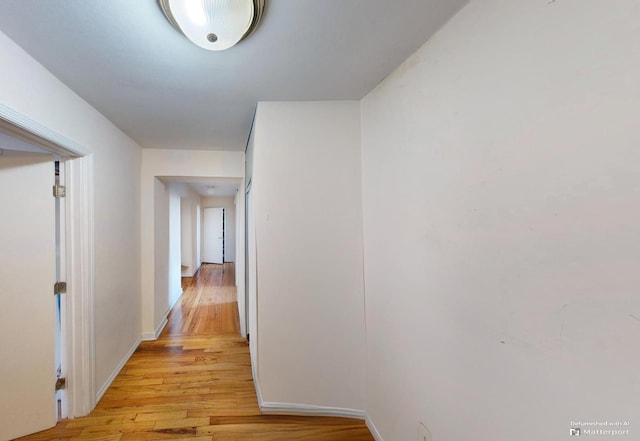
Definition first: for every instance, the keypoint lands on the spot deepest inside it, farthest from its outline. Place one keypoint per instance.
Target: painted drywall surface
(230, 223)
(172, 163)
(186, 233)
(502, 301)
(190, 224)
(162, 233)
(175, 253)
(250, 265)
(179, 194)
(240, 270)
(244, 250)
(308, 222)
(196, 238)
(28, 88)
(168, 246)
(251, 290)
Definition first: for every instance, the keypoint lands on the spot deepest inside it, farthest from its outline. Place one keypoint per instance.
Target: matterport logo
(600, 428)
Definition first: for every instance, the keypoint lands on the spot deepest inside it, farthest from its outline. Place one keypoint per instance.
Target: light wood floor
(195, 383)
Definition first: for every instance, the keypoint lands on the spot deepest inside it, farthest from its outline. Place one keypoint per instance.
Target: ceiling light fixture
(211, 190)
(215, 25)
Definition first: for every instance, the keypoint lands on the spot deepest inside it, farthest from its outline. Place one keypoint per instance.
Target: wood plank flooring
(194, 383)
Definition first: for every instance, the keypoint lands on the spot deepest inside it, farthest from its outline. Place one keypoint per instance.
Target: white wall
(502, 295)
(197, 220)
(229, 223)
(167, 243)
(240, 251)
(186, 233)
(171, 163)
(251, 292)
(162, 202)
(190, 234)
(306, 196)
(175, 251)
(250, 264)
(28, 88)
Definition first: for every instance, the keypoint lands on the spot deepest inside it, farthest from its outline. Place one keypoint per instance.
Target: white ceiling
(220, 190)
(124, 58)
(223, 187)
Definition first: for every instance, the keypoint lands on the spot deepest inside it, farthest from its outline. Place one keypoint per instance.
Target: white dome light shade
(213, 24)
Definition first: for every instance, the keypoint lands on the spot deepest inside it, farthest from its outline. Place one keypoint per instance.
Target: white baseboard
(256, 383)
(272, 407)
(189, 273)
(117, 370)
(268, 407)
(150, 336)
(166, 314)
(372, 429)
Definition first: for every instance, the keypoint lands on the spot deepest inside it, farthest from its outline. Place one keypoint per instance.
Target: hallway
(195, 382)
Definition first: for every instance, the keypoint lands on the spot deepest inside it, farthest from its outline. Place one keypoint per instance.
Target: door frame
(78, 321)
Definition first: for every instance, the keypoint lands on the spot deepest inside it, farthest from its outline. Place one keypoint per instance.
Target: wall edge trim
(372, 428)
(271, 407)
(33, 131)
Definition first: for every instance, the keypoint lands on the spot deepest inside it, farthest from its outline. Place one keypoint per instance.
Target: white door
(27, 275)
(213, 243)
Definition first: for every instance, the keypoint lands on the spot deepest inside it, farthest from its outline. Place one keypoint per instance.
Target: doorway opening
(213, 241)
(59, 289)
(197, 220)
(41, 233)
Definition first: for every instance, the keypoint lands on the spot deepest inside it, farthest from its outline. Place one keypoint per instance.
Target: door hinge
(59, 191)
(60, 288)
(61, 383)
